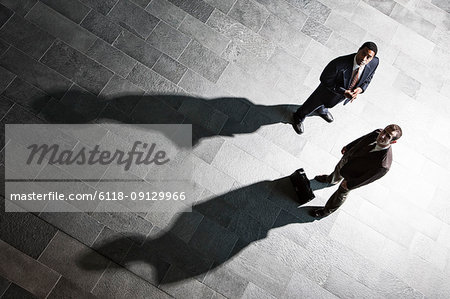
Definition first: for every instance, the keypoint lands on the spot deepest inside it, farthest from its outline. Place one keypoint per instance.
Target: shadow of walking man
(215, 231)
(209, 117)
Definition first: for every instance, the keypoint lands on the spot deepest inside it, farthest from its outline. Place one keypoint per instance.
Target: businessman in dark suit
(344, 78)
(364, 160)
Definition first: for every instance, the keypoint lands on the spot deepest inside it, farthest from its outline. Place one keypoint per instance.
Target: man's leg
(308, 107)
(335, 177)
(336, 200)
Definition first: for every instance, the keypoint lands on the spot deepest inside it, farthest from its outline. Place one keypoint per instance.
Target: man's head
(366, 53)
(389, 135)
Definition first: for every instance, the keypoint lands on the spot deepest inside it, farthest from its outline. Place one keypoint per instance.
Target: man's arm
(329, 75)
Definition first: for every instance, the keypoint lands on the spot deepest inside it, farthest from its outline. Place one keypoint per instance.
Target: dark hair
(371, 46)
(397, 130)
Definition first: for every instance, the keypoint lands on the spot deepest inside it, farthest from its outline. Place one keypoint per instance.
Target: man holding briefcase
(364, 160)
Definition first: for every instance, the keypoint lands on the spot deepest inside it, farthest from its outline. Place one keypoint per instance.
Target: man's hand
(343, 150)
(344, 185)
(348, 94)
(355, 93)
(352, 94)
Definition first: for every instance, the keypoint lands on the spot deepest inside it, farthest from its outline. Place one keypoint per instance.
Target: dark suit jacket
(363, 166)
(335, 79)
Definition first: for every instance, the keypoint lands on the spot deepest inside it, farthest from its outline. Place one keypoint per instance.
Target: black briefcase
(301, 185)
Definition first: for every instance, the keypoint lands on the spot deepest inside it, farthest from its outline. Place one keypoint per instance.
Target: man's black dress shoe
(327, 116)
(297, 124)
(322, 178)
(318, 213)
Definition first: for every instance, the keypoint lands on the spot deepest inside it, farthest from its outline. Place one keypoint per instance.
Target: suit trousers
(309, 107)
(340, 195)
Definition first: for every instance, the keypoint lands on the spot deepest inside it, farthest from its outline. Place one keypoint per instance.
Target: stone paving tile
(240, 34)
(213, 241)
(442, 4)
(228, 163)
(204, 115)
(341, 44)
(26, 232)
(26, 95)
(249, 13)
(341, 285)
(344, 8)
(271, 277)
(222, 5)
(346, 28)
(26, 271)
(6, 78)
(285, 12)
(314, 9)
(253, 291)
(408, 85)
(433, 14)
(26, 36)
(150, 81)
(73, 64)
(412, 20)
(122, 93)
(203, 61)
(3, 46)
(64, 253)
(418, 47)
(381, 25)
(4, 284)
(290, 39)
(77, 224)
(142, 3)
(316, 31)
(204, 34)
(103, 7)
(197, 85)
(19, 115)
(112, 58)
(168, 40)
(118, 282)
(170, 68)
(67, 289)
(101, 26)
(301, 286)
(5, 106)
(167, 12)
(385, 6)
(197, 8)
(60, 27)
(137, 48)
(35, 73)
(134, 18)
(15, 291)
(128, 224)
(20, 7)
(73, 10)
(429, 250)
(393, 229)
(183, 287)
(112, 244)
(226, 282)
(5, 14)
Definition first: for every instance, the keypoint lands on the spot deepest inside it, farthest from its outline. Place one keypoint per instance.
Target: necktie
(355, 79)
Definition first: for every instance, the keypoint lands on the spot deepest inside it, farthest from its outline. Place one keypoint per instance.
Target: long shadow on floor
(215, 231)
(209, 117)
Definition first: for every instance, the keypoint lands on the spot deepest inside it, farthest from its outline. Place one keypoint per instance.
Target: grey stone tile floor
(235, 69)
